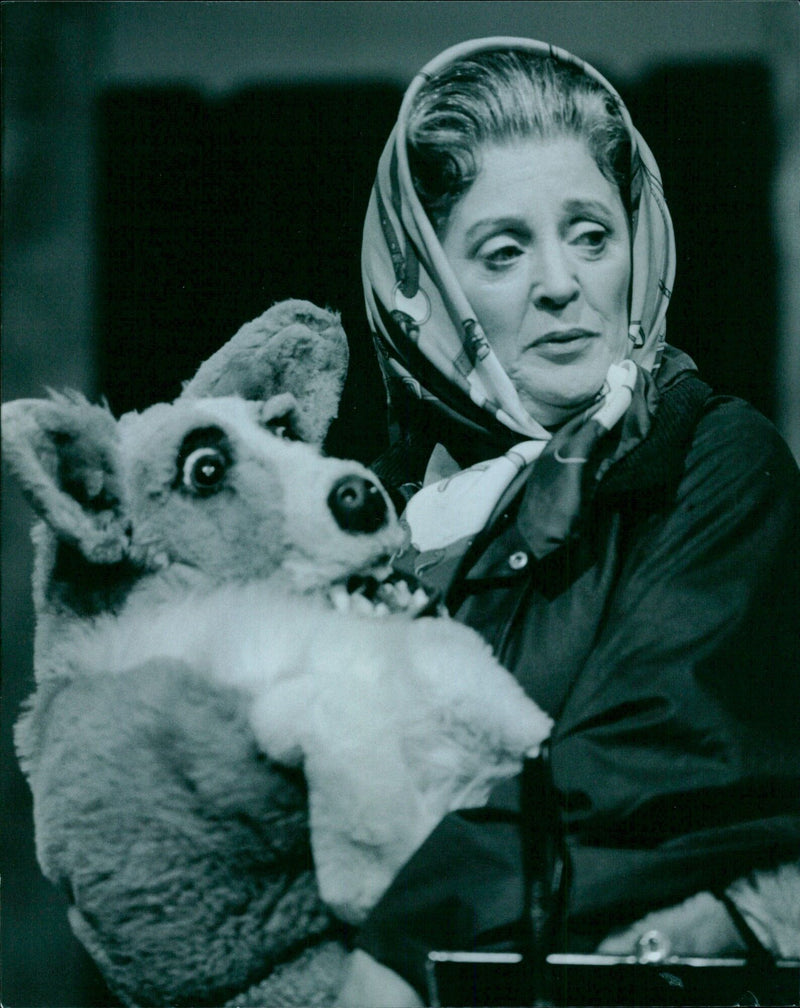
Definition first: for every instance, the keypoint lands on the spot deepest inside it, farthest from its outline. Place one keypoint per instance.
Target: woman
(625, 540)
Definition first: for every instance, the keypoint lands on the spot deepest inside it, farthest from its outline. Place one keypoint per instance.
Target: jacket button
(518, 560)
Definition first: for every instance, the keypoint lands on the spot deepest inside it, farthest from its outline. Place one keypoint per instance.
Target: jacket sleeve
(677, 754)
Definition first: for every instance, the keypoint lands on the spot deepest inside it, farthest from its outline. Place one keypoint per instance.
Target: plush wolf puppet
(211, 679)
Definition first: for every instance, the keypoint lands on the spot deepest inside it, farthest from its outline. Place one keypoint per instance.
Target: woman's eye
(498, 256)
(592, 238)
(204, 470)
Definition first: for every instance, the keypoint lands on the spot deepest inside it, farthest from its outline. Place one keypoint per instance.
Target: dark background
(171, 169)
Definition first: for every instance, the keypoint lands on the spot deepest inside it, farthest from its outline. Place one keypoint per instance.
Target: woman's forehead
(523, 173)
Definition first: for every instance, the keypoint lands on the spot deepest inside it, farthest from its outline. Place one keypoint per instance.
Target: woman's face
(541, 246)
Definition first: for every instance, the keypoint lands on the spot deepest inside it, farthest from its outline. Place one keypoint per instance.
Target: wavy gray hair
(499, 96)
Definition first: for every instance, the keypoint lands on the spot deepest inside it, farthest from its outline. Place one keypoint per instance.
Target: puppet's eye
(283, 427)
(204, 470)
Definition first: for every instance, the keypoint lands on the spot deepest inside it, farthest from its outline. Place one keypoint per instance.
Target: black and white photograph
(400, 503)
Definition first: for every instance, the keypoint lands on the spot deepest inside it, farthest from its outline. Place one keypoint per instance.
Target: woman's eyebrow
(495, 224)
(580, 207)
(587, 208)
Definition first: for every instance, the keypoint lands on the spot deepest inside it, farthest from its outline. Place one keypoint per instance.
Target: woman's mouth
(563, 343)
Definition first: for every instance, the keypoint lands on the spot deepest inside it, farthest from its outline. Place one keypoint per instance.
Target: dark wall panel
(711, 130)
(210, 211)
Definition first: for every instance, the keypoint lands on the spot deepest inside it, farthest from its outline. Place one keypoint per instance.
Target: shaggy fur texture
(183, 851)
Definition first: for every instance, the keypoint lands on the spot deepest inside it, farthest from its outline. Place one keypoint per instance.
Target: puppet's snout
(358, 505)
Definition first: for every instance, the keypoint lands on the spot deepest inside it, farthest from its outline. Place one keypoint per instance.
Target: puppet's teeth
(395, 594)
(403, 594)
(340, 598)
(359, 604)
(370, 597)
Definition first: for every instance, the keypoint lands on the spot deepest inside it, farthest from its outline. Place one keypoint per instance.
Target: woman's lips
(563, 343)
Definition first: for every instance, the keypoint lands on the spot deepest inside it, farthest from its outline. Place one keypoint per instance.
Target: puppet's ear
(64, 452)
(294, 347)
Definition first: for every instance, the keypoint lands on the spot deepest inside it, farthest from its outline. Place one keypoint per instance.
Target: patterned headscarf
(417, 310)
(430, 342)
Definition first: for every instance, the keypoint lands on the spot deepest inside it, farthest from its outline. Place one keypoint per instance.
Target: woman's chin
(552, 394)
(551, 414)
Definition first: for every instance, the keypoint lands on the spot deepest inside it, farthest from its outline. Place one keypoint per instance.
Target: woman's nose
(555, 282)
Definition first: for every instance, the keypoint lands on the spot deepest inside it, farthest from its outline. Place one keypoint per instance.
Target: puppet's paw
(361, 836)
(531, 729)
(480, 700)
(276, 718)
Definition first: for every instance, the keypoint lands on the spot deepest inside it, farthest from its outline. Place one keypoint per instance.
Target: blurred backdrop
(171, 169)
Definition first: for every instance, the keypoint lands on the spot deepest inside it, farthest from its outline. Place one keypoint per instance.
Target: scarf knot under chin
(632, 467)
(456, 504)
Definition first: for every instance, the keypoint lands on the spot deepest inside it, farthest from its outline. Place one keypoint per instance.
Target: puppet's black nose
(357, 505)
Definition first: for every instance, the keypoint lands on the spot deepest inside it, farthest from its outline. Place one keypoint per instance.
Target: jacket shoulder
(733, 446)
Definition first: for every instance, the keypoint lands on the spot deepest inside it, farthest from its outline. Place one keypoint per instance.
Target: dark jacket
(664, 639)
